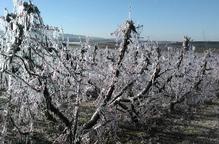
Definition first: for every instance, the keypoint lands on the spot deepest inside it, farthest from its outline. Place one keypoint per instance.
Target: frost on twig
(89, 93)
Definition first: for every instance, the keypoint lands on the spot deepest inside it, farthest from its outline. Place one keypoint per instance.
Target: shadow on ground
(199, 126)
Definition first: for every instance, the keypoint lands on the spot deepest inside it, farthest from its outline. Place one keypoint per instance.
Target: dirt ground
(198, 126)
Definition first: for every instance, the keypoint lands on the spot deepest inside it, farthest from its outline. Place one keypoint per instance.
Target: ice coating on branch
(18, 6)
(28, 49)
(46, 81)
(120, 32)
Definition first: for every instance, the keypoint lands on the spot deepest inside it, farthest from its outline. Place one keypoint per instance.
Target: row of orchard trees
(46, 83)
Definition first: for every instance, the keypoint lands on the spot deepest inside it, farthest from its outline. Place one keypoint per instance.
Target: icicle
(130, 11)
(67, 44)
(15, 3)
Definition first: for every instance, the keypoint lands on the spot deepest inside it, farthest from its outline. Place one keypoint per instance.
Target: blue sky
(162, 19)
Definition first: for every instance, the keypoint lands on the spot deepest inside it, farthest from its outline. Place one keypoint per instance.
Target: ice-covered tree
(49, 86)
